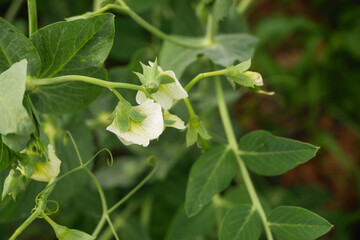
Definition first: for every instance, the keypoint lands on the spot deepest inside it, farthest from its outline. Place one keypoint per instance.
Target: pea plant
(58, 70)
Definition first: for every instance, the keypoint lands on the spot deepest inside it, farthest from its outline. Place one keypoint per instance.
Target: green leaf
(5, 156)
(14, 47)
(14, 119)
(185, 228)
(241, 222)
(297, 223)
(221, 8)
(211, 173)
(229, 48)
(226, 49)
(269, 155)
(176, 58)
(77, 47)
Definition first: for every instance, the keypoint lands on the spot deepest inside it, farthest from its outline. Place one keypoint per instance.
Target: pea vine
(59, 69)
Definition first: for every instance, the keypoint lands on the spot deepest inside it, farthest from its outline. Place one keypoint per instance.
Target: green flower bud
(195, 130)
(13, 184)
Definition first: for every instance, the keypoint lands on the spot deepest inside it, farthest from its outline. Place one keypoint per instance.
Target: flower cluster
(145, 122)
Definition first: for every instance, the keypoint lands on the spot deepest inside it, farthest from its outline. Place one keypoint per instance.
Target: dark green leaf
(297, 223)
(14, 47)
(72, 48)
(241, 222)
(269, 155)
(209, 175)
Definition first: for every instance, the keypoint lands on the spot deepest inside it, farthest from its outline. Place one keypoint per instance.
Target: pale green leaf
(177, 58)
(229, 48)
(241, 222)
(14, 118)
(14, 47)
(210, 174)
(72, 48)
(269, 155)
(221, 8)
(297, 223)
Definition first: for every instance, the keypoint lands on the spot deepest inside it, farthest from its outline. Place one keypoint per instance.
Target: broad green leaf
(241, 222)
(14, 119)
(72, 48)
(210, 174)
(269, 155)
(221, 8)
(5, 156)
(185, 228)
(297, 223)
(14, 47)
(229, 48)
(177, 58)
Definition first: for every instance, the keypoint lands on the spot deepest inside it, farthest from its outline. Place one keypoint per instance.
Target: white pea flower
(168, 88)
(174, 121)
(255, 77)
(139, 124)
(45, 171)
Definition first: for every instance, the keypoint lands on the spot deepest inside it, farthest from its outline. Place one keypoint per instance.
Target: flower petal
(142, 132)
(178, 123)
(44, 172)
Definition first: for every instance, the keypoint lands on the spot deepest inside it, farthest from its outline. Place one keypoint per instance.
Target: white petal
(142, 132)
(179, 124)
(163, 98)
(175, 90)
(140, 97)
(46, 171)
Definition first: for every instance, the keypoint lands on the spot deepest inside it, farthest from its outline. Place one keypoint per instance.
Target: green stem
(39, 209)
(204, 75)
(134, 189)
(125, 9)
(190, 108)
(233, 144)
(32, 16)
(118, 95)
(13, 10)
(32, 83)
(105, 214)
(210, 30)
